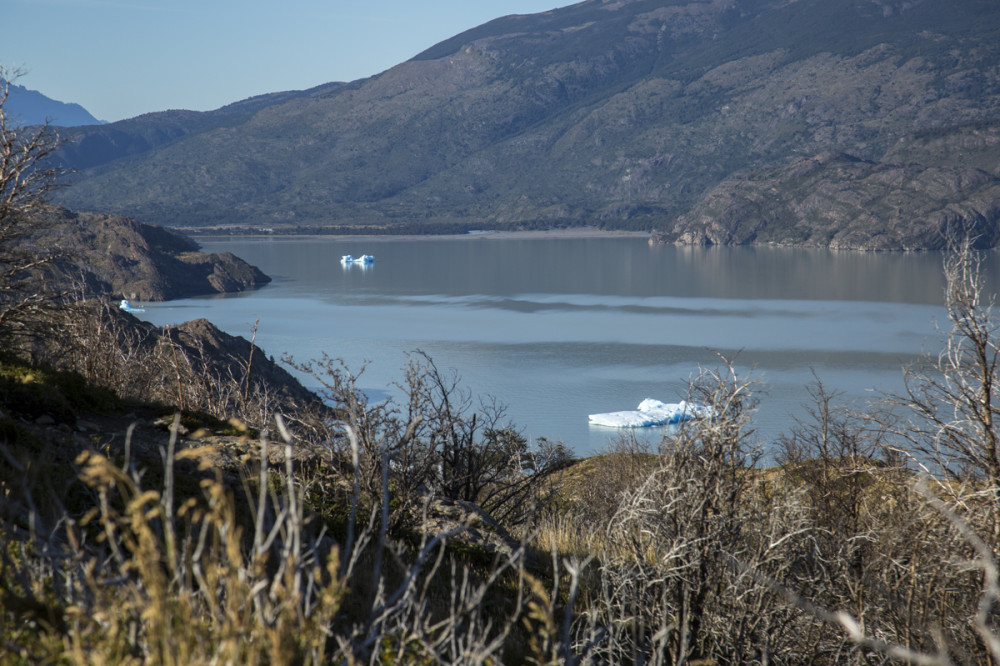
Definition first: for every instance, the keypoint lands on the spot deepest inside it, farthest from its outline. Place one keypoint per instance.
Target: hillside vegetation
(622, 114)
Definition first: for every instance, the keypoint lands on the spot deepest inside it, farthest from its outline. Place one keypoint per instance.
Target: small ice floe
(363, 259)
(652, 413)
(127, 307)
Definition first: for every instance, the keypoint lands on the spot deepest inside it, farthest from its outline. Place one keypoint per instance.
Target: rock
(167, 422)
(480, 529)
(842, 202)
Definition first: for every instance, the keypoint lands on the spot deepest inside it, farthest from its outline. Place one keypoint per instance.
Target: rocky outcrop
(118, 256)
(839, 201)
(193, 366)
(218, 353)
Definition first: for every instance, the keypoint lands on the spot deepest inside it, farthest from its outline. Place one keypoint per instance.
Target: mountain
(30, 107)
(622, 113)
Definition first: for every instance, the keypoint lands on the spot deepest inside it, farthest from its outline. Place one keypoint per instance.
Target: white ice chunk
(363, 259)
(651, 413)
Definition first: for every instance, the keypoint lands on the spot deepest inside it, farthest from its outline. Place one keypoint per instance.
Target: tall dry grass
(150, 576)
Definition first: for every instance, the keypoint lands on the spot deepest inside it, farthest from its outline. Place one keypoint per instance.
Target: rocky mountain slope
(120, 257)
(624, 113)
(843, 202)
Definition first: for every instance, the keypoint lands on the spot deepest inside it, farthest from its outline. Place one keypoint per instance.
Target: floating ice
(651, 413)
(127, 307)
(363, 259)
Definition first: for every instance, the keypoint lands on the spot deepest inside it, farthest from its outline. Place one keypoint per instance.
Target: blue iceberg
(651, 413)
(363, 259)
(127, 307)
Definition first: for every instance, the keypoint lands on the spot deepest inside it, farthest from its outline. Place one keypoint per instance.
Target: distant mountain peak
(30, 107)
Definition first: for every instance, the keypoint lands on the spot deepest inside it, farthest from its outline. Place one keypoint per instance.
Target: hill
(120, 257)
(624, 114)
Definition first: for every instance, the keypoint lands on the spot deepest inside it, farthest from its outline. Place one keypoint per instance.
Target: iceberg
(363, 259)
(127, 307)
(652, 413)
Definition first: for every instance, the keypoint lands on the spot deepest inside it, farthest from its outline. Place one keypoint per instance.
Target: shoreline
(543, 234)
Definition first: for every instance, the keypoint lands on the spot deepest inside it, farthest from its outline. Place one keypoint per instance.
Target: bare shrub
(953, 398)
(671, 543)
(191, 367)
(92, 338)
(435, 444)
(904, 570)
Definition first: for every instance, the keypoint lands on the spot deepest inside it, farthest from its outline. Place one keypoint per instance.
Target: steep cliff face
(118, 256)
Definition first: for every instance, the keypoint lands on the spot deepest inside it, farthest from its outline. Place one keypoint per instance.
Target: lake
(558, 328)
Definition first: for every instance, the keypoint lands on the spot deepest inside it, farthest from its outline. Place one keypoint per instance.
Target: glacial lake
(558, 328)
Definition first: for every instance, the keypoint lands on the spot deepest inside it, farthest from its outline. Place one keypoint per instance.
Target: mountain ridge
(623, 114)
(31, 107)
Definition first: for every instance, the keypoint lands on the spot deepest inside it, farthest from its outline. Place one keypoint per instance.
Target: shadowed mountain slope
(30, 107)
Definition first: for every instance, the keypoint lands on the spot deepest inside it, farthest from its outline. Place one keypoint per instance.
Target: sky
(122, 58)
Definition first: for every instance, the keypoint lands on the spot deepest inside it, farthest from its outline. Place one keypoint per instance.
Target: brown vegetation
(405, 532)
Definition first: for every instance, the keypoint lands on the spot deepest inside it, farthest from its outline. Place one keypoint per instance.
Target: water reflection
(616, 266)
(357, 266)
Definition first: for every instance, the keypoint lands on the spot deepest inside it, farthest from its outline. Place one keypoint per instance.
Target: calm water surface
(560, 328)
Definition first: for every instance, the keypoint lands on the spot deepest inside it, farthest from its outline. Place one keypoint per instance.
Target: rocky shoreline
(118, 257)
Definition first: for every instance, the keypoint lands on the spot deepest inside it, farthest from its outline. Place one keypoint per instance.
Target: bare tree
(26, 179)
(955, 397)
(907, 572)
(480, 458)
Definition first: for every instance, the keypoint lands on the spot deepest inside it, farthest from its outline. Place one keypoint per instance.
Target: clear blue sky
(121, 58)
